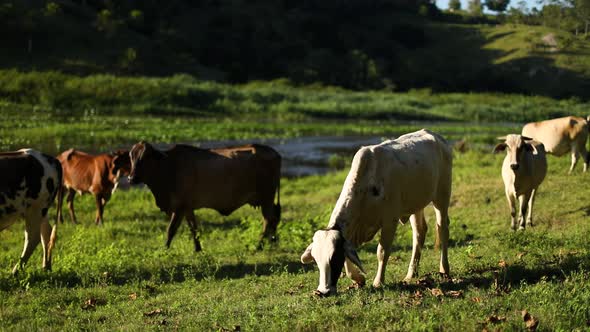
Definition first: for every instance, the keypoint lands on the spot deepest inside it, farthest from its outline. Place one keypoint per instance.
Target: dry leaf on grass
(495, 319)
(530, 321)
(502, 263)
(91, 303)
(476, 299)
(153, 312)
(454, 294)
(436, 292)
(133, 296)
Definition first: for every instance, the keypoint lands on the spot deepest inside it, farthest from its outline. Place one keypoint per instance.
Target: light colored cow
(390, 181)
(562, 135)
(523, 170)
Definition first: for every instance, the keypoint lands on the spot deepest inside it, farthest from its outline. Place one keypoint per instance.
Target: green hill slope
(373, 45)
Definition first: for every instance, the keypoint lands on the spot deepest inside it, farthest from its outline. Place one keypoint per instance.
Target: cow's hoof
(445, 276)
(319, 294)
(377, 285)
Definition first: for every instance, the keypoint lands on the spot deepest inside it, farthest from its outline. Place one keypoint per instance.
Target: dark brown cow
(186, 178)
(98, 175)
(29, 182)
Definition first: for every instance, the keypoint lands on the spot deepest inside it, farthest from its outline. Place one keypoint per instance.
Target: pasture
(120, 276)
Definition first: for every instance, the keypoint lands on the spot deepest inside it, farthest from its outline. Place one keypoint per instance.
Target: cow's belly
(8, 220)
(557, 147)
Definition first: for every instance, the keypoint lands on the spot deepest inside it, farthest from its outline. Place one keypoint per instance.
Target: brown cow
(98, 175)
(186, 178)
(29, 182)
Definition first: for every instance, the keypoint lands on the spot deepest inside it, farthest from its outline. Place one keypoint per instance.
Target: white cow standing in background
(387, 182)
(523, 170)
(562, 135)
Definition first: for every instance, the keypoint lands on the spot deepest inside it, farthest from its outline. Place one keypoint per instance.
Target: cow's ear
(500, 147)
(531, 147)
(307, 258)
(353, 256)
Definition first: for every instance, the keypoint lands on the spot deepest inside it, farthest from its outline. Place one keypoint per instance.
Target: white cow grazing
(523, 170)
(562, 135)
(386, 182)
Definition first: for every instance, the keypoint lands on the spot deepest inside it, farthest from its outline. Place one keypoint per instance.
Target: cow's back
(222, 179)
(84, 172)
(423, 168)
(558, 135)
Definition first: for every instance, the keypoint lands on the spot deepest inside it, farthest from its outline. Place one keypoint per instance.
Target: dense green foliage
(120, 276)
(387, 44)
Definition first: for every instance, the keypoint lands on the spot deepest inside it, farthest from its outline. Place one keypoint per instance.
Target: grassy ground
(119, 276)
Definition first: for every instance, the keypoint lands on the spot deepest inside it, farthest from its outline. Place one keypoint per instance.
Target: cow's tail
(277, 207)
(53, 236)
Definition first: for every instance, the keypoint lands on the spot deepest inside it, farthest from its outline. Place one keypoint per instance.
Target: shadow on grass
(500, 280)
(205, 269)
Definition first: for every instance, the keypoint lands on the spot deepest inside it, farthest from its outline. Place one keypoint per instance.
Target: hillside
(393, 45)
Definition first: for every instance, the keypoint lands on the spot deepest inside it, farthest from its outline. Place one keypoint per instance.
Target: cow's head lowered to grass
(329, 250)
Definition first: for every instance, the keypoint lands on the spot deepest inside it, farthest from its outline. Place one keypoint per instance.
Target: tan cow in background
(387, 182)
(523, 170)
(562, 135)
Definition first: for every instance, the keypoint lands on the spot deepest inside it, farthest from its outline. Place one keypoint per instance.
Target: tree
(475, 7)
(455, 4)
(497, 5)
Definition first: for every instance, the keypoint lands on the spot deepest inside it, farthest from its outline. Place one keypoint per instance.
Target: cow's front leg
(512, 205)
(523, 201)
(354, 273)
(575, 156)
(32, 238)
(529, 217)
(100, 203)
(384, 249)
(194, 225)
(419, 229)
(70, 201)
(173, 226)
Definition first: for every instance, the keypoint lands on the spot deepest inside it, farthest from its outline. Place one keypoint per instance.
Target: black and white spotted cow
(29, 182)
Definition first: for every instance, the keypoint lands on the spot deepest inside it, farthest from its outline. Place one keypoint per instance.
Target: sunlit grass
(120, 276)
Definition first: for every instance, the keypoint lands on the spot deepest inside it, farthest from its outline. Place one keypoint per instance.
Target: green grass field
(120, 276)
(53, 112)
